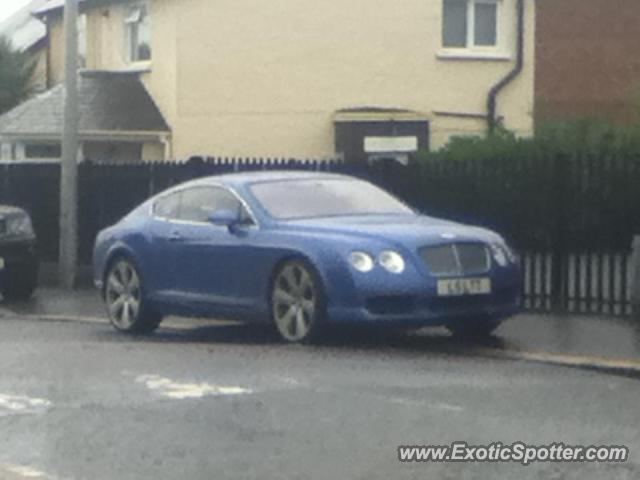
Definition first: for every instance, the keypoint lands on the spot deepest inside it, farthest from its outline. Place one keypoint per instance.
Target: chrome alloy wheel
(123, 295)
(295, 302)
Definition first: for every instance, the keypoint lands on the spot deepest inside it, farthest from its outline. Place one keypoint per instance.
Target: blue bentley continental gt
(301, 251)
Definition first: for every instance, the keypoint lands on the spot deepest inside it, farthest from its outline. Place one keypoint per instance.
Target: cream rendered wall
(246, 78)
(153, 152)
(266, 78)
(56, 50)
(39, 79)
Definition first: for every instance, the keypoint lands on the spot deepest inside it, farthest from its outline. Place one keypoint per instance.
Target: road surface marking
(182, 391)
(17, 404)
(21, 471)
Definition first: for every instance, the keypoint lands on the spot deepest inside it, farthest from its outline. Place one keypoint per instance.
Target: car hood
(410, 230)
(6, 211)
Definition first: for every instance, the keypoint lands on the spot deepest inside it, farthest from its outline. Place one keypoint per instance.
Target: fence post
(6, 183)
(559, 170)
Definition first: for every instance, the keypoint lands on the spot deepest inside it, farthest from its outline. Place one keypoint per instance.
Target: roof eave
(90, 135)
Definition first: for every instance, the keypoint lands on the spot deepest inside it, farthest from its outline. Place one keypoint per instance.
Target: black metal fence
(572, 218)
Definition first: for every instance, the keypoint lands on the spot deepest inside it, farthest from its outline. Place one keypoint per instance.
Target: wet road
(78, 401)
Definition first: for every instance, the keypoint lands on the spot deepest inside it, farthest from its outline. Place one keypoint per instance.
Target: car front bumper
(409, 310)
(413, 300)
(18, 257)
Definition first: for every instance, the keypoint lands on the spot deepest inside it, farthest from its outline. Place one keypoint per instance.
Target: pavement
(606, 343)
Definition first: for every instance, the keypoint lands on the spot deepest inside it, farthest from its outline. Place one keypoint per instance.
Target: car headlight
(391, 261)
(20, 226)
(498, 255)
(361, 261)
(503, 255)
(512, 256)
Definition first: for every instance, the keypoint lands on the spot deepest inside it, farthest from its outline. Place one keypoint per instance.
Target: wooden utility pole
(69, 169)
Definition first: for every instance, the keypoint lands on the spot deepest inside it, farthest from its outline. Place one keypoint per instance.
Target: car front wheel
(126, 306)
(297, 302)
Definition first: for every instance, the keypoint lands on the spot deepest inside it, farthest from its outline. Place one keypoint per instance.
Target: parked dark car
(18, 254)
(300, 250)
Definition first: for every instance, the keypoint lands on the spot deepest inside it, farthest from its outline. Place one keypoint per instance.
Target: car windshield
(288, 200)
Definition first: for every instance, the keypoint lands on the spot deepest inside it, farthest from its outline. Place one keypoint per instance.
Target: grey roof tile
(108, 101)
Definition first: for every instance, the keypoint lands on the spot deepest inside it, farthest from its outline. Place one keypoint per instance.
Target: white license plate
(1, 263)
(464, 286)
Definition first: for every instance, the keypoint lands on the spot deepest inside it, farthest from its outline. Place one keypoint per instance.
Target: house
(587, 64)
(363, 79)
(27, 33)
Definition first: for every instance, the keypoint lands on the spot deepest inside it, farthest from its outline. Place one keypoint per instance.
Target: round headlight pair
(389, 260)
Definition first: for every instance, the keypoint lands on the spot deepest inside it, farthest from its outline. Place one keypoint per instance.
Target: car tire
(297, 302)
(474, 329)
(127, 308)
(22, 286)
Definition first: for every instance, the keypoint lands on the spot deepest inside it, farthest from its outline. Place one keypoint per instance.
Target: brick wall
(588, 59)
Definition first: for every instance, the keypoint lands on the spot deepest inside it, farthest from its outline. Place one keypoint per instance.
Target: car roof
(247, 178)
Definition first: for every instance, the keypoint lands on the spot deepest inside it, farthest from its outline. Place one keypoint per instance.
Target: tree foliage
(16, 72)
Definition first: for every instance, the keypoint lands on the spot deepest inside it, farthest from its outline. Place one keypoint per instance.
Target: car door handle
(175, 237)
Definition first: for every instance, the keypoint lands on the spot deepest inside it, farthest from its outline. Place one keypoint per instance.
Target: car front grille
(456, 259)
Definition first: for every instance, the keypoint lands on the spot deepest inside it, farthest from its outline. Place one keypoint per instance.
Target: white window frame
(132, 20)
(471, 50)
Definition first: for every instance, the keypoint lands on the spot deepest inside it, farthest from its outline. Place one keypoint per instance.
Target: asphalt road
(78, 401)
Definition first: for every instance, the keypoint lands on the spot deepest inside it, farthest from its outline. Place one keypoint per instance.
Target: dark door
(165, 248)
(211, 257)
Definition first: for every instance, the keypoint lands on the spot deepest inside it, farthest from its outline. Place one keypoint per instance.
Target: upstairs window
(470, 24)
(138, 27)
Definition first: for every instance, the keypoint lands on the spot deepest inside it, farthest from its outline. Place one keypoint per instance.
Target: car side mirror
(224, 218)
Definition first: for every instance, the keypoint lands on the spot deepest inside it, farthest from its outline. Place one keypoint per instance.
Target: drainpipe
(47, 53)
(492, 99)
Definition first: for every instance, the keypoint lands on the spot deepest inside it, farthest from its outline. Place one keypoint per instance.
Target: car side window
(168, 206)
(200, 202)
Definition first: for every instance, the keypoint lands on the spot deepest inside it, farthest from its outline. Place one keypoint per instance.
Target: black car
(18, 254)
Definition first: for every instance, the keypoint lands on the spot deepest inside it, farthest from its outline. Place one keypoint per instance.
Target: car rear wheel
(297, 302)
(126, 306)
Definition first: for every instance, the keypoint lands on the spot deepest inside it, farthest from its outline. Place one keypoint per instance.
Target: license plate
(1, 263)
(464, 286)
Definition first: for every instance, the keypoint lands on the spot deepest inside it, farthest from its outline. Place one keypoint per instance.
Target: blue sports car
(301, 251)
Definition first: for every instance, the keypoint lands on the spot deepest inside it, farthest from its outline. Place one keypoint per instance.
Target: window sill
(469, 55)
